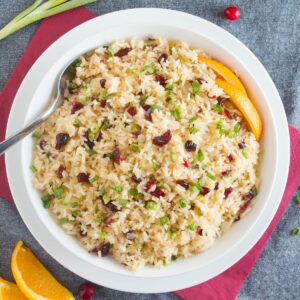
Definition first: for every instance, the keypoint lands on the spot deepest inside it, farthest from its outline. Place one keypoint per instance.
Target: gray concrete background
(271, 30)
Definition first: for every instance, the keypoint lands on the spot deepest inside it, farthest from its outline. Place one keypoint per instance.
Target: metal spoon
(61, 84)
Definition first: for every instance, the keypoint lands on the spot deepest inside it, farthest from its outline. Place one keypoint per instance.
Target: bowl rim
(132, 283)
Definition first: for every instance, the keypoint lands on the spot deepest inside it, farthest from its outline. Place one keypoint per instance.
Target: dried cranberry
(75, 107)
(244, 207)
(130, 235)
(200, 110)
(116, 156)
(60, 171)
(249, 195)
(148, 112)
(112, 207)
(186, 163)
(216, 186)
(83, 177)
(201, 80)
(158, 192)
(241, 145)
(149, 184)
(193, 205)
(190, 146)
(163, 139)
(104, 249)
(103, 103)
(231, 158)
(61, 140)
(135, 179)
(161, 79)
(90, 144)
(200, 231)
(204, 191)
(42, 144)
(86, 291)
(221, 100)
(82, 234)
(132, 110)
(99, 137)
(211, 97)
(102, 82)
(136, 133)
(226, 173)
(163, 57)
(227, 192)
(185, 184)
(108, 220)
(122, 52)
(228, 114)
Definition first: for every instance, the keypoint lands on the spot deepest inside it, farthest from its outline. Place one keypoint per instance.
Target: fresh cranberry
(163, 139)
(227, 192)
(185, 184)
(60, 171)
(186, 163)
(190, 146)
(158, 192)
(232, 13)
(161, 79)
(132, 110)
(61, 140)
(102, 82)
(83, 178)
(205, 190)
(122, 52)
(86, 291)
(75, 107)
(162, 58)
(149, 184)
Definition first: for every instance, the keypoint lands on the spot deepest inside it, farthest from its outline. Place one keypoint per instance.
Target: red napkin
(224, 286)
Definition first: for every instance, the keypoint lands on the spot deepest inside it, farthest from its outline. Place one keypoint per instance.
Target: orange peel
(33, 279)
(224, 72)
(244, 104)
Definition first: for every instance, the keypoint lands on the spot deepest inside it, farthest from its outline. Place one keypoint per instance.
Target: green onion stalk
(39, 10)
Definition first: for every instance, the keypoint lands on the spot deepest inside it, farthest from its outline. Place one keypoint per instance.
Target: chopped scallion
(36, 134)
(164, 220)
(117, 188)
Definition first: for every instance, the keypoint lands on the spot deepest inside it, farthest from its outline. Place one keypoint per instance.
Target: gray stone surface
(271, 30)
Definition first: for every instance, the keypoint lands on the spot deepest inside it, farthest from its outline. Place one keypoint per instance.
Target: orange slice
(223, 71)
(10, 291)
(33, 279)
(244, 104)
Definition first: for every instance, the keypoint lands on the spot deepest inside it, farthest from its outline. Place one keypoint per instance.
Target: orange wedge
(223, 71)
(33, 279)
(10, 291)
(244, 104)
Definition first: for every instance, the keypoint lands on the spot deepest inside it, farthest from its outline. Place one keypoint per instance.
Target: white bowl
(35, 91)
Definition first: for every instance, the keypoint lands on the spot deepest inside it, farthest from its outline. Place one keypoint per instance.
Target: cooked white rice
(145, 230)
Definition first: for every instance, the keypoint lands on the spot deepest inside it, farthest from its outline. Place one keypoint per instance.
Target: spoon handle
(19, 135)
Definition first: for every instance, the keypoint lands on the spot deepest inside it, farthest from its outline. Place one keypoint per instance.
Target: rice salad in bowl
(147, 160)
